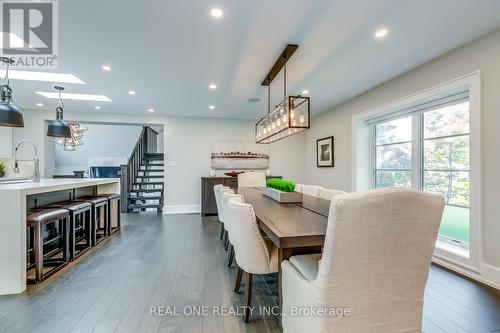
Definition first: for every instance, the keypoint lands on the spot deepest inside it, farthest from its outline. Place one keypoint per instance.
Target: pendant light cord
(60, 99)
(6, 78)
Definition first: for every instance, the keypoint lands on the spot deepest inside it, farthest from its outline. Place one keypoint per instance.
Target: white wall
(189, 143)
(113, 141)
(484, 55)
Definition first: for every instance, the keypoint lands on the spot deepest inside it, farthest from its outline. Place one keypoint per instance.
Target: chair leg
(221, 230)
(231, 256)
(239, 274)
(247, 297)
(226, 240)
(38, 250)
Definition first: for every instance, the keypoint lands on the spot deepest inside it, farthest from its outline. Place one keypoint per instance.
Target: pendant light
(291, 116)
(59, 128)
(10, 115)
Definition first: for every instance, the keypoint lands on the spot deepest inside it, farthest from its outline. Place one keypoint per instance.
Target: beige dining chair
(252, 179)
(226, 196)
(218, 192)
(311, 190)
(374, 268)
(253, 254)
(217, 188)
(328, 194)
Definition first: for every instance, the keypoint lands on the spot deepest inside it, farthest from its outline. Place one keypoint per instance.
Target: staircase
(142, 177)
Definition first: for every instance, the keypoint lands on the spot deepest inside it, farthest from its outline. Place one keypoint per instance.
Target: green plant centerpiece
(282, 190)
(2, 169)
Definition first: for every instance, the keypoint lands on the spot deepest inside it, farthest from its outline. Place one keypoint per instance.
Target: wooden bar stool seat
(114, 212)
(99, 216)
(48, 242)
(81, 226)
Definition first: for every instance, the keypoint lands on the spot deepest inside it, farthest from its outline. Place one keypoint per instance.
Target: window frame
(363, 136)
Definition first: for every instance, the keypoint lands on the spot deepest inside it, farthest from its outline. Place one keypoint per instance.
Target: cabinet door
(5, 142)
(208, 204)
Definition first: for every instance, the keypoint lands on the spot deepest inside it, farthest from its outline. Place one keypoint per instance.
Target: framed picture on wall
(324, 152)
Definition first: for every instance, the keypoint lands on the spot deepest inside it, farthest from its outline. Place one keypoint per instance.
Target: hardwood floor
(178, 261)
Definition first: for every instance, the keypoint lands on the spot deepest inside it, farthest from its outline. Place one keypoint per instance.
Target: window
(428, 149)
(430, 141)
(393, 153)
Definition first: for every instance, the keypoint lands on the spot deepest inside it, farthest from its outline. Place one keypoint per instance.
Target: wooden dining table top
(290, 225)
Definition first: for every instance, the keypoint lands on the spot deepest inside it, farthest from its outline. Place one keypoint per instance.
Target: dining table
(295, 228)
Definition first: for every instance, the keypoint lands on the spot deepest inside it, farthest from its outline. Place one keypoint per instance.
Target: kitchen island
(16, 198)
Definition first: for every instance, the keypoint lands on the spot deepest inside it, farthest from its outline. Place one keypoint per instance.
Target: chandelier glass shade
(69, 144)
(291, 116)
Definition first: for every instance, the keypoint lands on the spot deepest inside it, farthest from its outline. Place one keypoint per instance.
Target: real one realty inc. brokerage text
(191, 310)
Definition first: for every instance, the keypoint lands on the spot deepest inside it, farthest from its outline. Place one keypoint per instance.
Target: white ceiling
(169, 51)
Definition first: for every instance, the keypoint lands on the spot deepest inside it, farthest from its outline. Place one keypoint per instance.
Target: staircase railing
(147, 143)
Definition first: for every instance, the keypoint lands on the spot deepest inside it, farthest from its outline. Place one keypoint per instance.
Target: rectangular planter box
(282, 197)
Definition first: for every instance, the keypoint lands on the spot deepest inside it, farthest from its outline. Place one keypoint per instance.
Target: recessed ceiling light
(41, 76)
(39, 104)
(131, 92)
(305, 92)
(97, 107)
(211, 107)
(106, 68)
(80, 97)
(216, 12)
(212, 86)
(381, 33)
(151, 110)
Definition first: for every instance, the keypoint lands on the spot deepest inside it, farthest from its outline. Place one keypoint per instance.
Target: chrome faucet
(36, 172)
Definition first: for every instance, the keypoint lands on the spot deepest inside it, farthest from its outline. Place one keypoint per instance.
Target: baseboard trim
(181, 209)
(489, 275)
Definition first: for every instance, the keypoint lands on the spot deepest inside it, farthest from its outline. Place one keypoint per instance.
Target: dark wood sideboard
(208, 204)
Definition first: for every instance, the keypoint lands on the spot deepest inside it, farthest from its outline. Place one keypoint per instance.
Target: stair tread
(139, 176)
(146, 198)
(147, 190)
(151, 170)
(131, 206)
(148, 183)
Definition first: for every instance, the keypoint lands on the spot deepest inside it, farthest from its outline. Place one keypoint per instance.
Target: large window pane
(397, 156)
(453, 186)
(455, 223)
(393, 178)
(393, 131)
(450, 120)
(447, 153)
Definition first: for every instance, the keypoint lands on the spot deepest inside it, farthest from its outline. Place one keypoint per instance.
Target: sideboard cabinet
(208, 204)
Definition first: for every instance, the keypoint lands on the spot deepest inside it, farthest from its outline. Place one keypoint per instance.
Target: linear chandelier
(291, 116)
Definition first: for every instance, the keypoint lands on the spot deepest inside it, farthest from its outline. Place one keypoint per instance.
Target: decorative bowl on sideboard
(233, 173)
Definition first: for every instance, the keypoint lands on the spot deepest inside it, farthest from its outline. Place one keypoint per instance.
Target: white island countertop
(47, 185)
(13, 203)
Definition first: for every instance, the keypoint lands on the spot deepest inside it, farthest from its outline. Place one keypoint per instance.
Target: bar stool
(48, 241)
(80, 226)
(114, 213)
(99, 216)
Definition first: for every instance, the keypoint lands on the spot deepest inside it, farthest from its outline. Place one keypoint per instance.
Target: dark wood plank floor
(178, 261)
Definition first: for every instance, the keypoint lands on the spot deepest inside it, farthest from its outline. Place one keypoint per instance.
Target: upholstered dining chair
(311, 190)
(219, 190)
(252, 179)
(328, 194)
(252, 253)
(226, 196)
(374, 267)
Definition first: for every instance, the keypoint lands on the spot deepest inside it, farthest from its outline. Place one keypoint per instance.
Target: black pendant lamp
(59, 128)
(10, 115)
